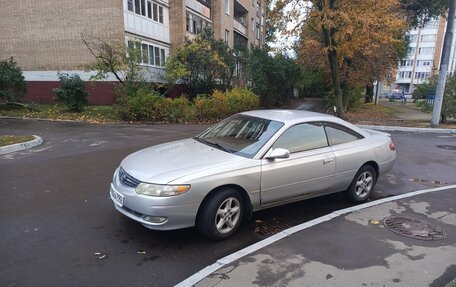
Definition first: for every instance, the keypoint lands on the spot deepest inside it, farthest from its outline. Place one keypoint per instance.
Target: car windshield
(240, 134)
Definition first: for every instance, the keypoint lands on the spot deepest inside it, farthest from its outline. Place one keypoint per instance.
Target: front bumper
(178, 213)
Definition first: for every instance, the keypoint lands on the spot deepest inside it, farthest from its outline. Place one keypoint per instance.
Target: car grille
(127, 179)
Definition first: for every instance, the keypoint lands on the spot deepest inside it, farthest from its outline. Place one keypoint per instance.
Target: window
(157, 56)
(426, 50)
(149, 9)
(155, 18)
(196, 24)
(302, 137)
(206, 3)
(257, 34)
(424, 63)
(145, 54)
(253, 25)
(143, 7)
(422, 75)
(339, 135)
(227, 7)
(163, 57)
(428, 38)
(137, 7)
(227, 37)
(151, 55)
(160, 14)
(240, 134)
(138, 48)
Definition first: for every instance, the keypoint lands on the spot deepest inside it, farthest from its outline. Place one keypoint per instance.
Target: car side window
(339, 135)
(302, 137)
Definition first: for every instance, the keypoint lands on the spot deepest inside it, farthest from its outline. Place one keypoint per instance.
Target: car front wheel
(362, 185)
(221, 214)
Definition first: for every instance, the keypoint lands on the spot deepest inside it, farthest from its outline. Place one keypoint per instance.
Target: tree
(349, 35)
(419, 12)
(72, 92)
(114, 57)
(449, 100)
(272, 78)
(204, 63)
(12, 84)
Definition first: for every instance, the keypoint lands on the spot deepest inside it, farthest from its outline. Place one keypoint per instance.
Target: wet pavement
(361, 248)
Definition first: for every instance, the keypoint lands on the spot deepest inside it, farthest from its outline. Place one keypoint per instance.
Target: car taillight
(392, 147)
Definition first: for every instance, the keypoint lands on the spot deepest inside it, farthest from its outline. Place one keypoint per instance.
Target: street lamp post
(438, 100)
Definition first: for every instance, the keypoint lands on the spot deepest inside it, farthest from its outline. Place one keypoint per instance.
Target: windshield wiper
(213, 144)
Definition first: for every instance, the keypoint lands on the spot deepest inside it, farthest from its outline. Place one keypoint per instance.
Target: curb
(21, 146)
(407, 129)
(203, 273)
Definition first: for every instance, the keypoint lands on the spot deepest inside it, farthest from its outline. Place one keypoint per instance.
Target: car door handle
(328, 160)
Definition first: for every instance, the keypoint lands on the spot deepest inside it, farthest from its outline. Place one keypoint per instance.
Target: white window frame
(227, 7)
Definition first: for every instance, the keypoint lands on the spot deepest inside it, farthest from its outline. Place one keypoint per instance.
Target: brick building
(44, 37)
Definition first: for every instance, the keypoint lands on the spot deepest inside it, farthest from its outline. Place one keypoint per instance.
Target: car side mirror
(278, 153)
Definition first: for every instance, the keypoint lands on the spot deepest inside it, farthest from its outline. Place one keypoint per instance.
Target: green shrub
(71, 92)
(423, 104)
(221, 105)
(12, 84)
(151, 106)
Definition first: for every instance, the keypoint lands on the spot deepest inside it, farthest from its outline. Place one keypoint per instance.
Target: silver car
(248, 162)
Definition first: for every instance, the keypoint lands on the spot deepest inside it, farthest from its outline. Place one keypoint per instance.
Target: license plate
(117, 197)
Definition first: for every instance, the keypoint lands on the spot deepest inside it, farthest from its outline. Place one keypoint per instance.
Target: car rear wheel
(362, 185)
(221, 214)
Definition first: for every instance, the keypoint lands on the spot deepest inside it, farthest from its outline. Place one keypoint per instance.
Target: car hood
(170, 161)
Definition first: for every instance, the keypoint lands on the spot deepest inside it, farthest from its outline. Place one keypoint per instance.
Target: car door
(308, 170)
(350, 153)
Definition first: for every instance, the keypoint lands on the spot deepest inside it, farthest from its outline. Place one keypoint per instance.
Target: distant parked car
(395, 96)
(248, 162)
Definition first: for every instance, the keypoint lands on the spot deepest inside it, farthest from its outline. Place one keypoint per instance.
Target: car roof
(287, 116)
(292, 117)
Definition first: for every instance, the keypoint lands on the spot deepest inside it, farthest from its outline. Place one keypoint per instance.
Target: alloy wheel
(228, 215)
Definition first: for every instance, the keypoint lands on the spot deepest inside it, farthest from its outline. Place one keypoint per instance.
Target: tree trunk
(328, 34)
(335, 79)
(369, 94)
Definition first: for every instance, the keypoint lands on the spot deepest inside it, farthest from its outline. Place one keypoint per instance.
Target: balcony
(199, 7)
(239, 26)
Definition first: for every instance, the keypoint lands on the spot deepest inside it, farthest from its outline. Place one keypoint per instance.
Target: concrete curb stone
(21, 146)
(407, 129)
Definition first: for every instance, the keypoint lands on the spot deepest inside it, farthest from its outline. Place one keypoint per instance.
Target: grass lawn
(9, 140)
(370, 114)
(93, 114)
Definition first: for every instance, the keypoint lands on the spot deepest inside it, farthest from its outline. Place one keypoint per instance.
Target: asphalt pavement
(59, 227)
(402, 242)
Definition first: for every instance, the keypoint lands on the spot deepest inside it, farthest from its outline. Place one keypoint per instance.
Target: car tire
(362, 185)
(221, 214)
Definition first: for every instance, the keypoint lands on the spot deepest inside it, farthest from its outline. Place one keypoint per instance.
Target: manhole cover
(447, 147)
(270, 227)
(414, 228)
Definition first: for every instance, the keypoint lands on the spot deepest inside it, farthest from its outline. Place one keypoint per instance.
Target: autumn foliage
(354, 41)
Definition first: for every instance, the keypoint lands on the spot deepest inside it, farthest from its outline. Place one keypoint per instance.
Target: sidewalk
(357, 249)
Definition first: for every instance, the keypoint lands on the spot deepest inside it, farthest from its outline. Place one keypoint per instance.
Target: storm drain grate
(414, 228)
(270, 227)
(447, 147)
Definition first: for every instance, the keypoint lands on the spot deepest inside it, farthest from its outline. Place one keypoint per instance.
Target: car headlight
(161, 190)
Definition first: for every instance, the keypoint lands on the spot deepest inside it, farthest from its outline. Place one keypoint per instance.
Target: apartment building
(44, 37)
(423, 59)
(238, 22)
